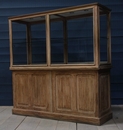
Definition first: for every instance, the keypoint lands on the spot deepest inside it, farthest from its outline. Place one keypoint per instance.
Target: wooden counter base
(73, 95)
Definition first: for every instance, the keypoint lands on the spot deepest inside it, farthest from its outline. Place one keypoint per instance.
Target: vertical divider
(65, 41)
(109, 37)
(96, 44)
(29, 49)
(48, 46)
(96, 35)
(11, 44)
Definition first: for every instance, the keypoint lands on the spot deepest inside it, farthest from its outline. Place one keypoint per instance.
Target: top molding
(55, 11)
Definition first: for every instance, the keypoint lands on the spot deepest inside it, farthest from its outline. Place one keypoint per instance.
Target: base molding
(66, 117)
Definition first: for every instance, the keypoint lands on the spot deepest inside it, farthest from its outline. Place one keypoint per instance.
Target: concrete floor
(8, 121)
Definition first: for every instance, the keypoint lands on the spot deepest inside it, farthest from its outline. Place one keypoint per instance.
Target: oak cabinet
(63, 75)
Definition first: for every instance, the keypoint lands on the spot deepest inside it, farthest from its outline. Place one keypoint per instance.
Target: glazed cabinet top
(77, 37)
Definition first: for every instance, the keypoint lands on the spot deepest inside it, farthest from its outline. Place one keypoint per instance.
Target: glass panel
(103, 38)
(79, 34)
(38, 41)
(38, 44)
(19, 44)
(80, 40)
(57, 42)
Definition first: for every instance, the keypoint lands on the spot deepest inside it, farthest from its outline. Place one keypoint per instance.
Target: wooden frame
(77, 92)
(25, 20)
(48, 40)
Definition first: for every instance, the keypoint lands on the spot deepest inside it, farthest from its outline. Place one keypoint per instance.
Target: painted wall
(15, 7)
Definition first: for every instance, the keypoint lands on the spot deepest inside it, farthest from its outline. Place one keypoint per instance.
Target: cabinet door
(32, 90)
(21, 90)
(104, 86)
(64, 92)
(74, 92)
(41, 91)
(86, 93)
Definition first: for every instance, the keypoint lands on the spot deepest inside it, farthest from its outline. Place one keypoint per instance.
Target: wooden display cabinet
(60, 62)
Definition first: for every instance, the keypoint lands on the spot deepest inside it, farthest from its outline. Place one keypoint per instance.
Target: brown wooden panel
(104, 92)
(32, 90)
(71, 95)
(86, 87)
(64, 92)
(21, 86)
(41, 91)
